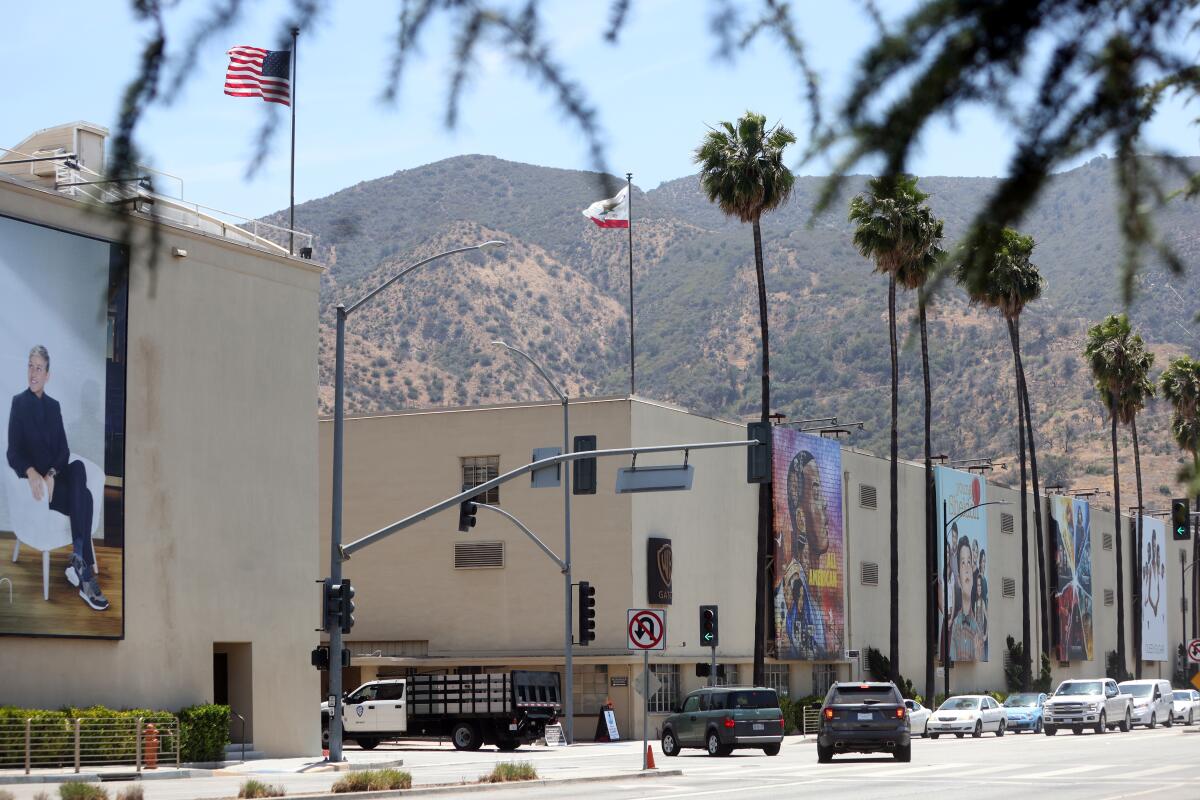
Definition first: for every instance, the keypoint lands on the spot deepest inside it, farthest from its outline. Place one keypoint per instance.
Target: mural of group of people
(962, 564)
(809, 617)
(1071, 533)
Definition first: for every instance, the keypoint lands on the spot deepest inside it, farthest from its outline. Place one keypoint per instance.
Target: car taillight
(729, 723)
(900, 712)
(829, 713)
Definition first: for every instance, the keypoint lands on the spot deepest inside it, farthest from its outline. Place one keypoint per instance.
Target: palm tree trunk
(931, 542)
(764, 489)
(1026, 634)
(894, 477)
(1136, 578)
(1043, 599)
(1117, 538)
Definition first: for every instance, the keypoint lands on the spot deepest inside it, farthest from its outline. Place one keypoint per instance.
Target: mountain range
(560, 291)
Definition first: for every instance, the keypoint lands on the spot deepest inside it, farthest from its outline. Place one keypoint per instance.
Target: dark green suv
(721, 720)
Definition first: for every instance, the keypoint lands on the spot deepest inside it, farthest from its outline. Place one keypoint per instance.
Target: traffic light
(758, 456)
(583, 475)
(467, 510)
(331, 613)
(587, 612)
(709, 633)
(320, 657)
(347, 606)
(1181, 529)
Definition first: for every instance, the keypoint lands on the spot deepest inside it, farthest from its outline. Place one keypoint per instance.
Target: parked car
(1097, 703)
(1185, 705)
(1023, 711)
(918, 717)
(723, 719)
(1152, 701)
(968, 713)
(868, 717)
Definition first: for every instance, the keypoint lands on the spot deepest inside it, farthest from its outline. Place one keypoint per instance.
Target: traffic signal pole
(335, 541)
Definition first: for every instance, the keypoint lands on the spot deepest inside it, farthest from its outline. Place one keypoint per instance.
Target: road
(1164, 763)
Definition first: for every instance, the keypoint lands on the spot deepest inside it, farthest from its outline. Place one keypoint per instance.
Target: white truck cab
(1095, 703)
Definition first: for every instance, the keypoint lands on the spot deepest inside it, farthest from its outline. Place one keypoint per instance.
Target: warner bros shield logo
(659, 564)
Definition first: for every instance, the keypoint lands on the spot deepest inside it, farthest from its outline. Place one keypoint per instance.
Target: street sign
(1193, 651)
(639, 684)
(1196, 681)
(647, 629)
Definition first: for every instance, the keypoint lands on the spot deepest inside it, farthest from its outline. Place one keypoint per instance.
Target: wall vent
(478, 555)
(1008, 587)
(869, 573)
(1106, 541)
(1006, 522)
(1108, 597)
(867, 496)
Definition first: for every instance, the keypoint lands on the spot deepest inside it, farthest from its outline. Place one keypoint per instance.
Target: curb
(100, 777)
(484, 787)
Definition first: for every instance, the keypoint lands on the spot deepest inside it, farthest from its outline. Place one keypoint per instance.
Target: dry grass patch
(77, 790)
(373, 780)
(133, 792)
(507, 771)
(253, 788)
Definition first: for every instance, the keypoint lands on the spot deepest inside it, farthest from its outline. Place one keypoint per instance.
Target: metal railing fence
(74, 743)
(811, 720)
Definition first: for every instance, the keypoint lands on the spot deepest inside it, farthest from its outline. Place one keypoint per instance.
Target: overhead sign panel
(670, 478)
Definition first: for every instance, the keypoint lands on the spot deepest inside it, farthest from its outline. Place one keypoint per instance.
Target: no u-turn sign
(647, 629)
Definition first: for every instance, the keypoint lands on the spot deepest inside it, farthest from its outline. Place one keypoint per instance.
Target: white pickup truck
(1096, 703)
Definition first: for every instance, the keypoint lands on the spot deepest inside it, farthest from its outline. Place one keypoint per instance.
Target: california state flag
(610, 213)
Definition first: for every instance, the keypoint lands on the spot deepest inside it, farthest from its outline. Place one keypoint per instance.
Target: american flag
(255, 72)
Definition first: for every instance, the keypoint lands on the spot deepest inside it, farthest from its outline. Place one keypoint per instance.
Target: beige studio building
(430, 599)
(184, 379)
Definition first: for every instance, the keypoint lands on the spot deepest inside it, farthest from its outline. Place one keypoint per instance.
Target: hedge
(205, 732)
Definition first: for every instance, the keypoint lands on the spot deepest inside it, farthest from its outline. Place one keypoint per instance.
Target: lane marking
(1156, 770)
(1069, 771)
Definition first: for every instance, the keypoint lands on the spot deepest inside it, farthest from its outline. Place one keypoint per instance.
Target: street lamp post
(946, 523)
(335, 529)
(569, 677)
(1183, 568)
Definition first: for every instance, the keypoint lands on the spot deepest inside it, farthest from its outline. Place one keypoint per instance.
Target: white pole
(645, 704)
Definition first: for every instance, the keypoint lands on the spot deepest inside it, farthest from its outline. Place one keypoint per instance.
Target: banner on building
(962, 563)
(807, 584)
(1071, 532)
(659, 562)
(62, 396)
(1154, 589)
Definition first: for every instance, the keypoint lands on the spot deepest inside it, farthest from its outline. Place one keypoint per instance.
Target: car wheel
(1037, 727)
(824, 754)
(714, 746)
(978, 729)
(934, 735)
(465, 737)
(367, 742)
(1153, 720)
(1127, 723)
(1102, 725)
(670, 745)
(325, 736)
(1190, 714)
(771, 749)
(1170, 723)
(1000, 730)
(903, 754)
(1049, 730)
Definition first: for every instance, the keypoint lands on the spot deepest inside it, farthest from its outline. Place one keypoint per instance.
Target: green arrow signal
(1180, 530)
(708, 637)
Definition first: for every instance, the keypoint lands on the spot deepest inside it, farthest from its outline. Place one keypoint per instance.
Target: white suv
(1095, 703)
(1151, 701)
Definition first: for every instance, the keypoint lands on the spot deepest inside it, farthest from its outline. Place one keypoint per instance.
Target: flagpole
(292, 103)
(629, 199)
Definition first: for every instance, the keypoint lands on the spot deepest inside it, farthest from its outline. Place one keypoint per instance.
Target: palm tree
(742, 170)
(1011, 283)
(913, 275)
(893, 231)
(1180, 384)
(1135, 387)
(1119, 364)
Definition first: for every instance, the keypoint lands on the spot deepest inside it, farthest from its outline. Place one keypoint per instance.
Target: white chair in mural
(36, 526)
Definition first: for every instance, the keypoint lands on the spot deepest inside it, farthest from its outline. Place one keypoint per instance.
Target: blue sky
(655, 91)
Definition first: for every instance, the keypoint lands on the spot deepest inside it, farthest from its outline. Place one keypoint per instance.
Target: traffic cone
(650, 757)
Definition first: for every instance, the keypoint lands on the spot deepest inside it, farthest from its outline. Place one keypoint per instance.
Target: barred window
(731, 676)
(590, 688)
(778, 677)
(666, 698)
(823, 676)
(481, 469)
